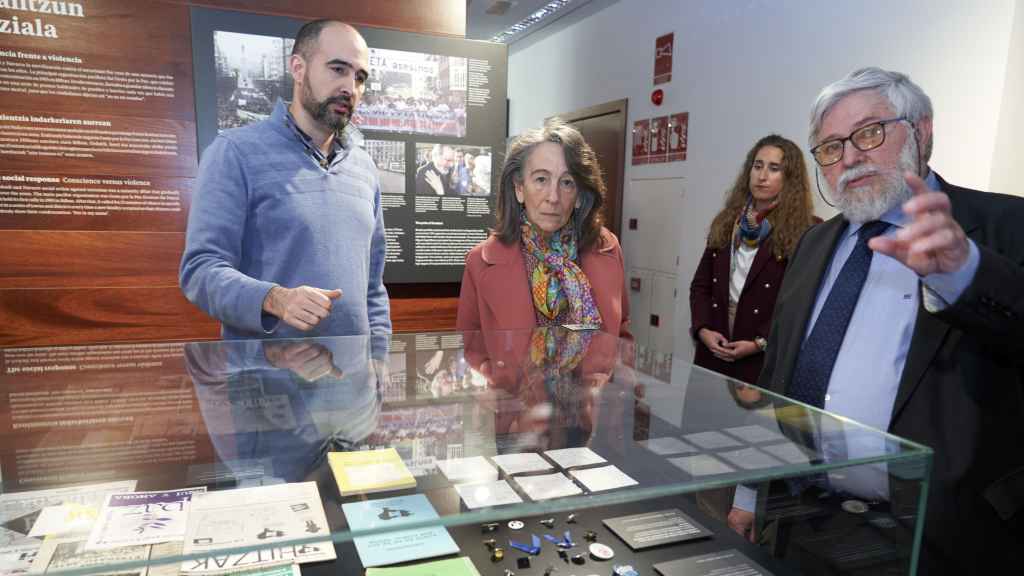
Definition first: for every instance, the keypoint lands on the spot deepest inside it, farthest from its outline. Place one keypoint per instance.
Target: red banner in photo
(663, 58)
(677, 125)
(659, 139)
(641, 141)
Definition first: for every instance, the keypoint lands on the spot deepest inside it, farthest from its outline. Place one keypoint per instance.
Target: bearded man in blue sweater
(286, 234)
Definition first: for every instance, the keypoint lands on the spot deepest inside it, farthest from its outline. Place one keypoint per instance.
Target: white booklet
(463, 470)
(521, 463)
(603, 478)
(754, 433)
(260, 516)
(547, 486)
(701, 465)
(712, 440)
(667, 445)
(60, 553)
(750, 459)
(137, 518)
(18, 511)
(574, 457)
(487, 494)
(788, 452)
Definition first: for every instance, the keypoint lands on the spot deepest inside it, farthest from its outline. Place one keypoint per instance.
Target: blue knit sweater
(265, 213)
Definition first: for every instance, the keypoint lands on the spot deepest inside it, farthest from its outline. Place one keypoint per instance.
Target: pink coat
(495, 292)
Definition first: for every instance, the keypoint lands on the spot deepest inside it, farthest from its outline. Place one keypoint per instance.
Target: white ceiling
(483, 26)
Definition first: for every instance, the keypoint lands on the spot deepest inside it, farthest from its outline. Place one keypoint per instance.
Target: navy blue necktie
(818, 353)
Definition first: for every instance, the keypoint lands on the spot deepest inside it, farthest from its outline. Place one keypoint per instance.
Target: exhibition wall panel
(98, 158)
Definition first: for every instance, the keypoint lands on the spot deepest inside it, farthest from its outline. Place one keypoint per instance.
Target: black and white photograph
(443, 373)
(414, 93)
(252, 73)
(422, 435)
(406, 92)
(452, 169)
(389, 156)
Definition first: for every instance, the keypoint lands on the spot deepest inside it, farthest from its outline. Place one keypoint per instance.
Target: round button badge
(854, 506)
(601, 551)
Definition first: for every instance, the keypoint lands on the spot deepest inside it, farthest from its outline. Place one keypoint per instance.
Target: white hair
(907, 99)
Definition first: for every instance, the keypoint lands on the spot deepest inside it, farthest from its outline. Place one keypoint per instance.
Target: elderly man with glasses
(906, 312)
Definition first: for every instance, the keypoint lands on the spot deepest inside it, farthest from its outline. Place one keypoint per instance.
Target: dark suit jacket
(423, 188)
(709, 306)
(962, 388)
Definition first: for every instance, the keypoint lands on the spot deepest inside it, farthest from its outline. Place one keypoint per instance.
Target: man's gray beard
(863, 204)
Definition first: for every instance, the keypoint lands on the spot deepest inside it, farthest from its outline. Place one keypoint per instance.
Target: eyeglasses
(864, 138)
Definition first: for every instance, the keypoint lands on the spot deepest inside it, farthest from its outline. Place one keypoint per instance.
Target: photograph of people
(549, 261)
(732, 295)
(414, 92)
(433, 175)
(406, 92)
(451, 169)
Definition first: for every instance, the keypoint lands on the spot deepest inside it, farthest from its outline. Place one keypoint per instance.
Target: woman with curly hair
(733, 292)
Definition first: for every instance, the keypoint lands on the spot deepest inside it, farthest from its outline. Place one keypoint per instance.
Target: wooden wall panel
(92, 278)
(46, 316)
(128, 146)
(423, 314)
(38, 259)
(444, 17)
(144, 203)
(64, 316)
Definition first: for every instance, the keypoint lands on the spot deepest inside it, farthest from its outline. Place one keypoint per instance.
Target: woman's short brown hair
(583, 166)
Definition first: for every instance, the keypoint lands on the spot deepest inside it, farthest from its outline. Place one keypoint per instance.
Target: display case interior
(520, 452)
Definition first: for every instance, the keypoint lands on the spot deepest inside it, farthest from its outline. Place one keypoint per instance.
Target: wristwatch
(761, 343)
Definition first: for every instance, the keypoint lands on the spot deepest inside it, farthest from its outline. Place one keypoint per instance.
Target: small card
(450, 567)
(463, 470)
(603, 478)
(788, 452)
(574, 457)
(398, 545)
(720, 563)
(548, 486)
(750, 459)
(640, 531)
(667, 445)
(712, 440)
(487, 494)
(755, 434)
(521, 463)
(701, 465)
(64, 519)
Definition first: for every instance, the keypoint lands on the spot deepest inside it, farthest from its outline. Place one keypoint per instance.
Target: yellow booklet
(368, 471)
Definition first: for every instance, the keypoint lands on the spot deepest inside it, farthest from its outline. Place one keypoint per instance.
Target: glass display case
(527, 452)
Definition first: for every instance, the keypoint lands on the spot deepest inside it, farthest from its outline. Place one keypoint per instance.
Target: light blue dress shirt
(869, 364)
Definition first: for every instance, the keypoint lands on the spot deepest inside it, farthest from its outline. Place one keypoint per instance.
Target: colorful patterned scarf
(556, 352)
(752, 226)
(557, 281)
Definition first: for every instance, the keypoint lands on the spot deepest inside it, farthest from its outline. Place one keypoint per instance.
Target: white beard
(864, 204)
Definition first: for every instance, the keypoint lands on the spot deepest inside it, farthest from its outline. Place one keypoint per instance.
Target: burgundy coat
(709, 306)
